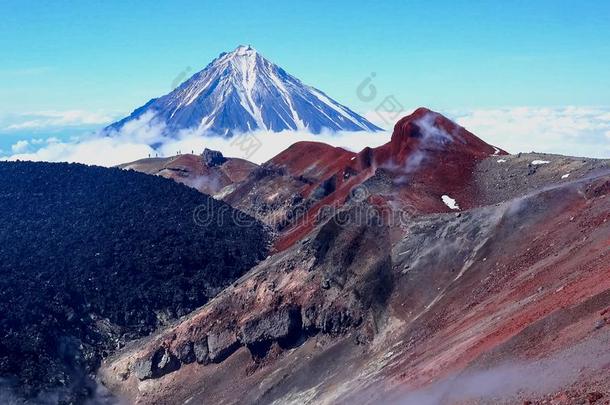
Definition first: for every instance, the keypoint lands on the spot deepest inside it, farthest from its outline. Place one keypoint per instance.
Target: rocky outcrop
(202, 351)
(271, 326)
(335, 285)
(156, 365)
(212, 158)
(221, 344)
(186, 352)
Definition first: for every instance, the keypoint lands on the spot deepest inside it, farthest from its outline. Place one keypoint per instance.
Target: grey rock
(185, 353)
(166, 361)
(222, 344)
(531, 169)
(309, 317)
(143, 369)
(274, 325)
(212, 158)
(202, 353)
(158, 364)
(335, 322)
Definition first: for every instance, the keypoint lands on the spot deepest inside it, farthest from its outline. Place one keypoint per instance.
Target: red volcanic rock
(430, 130)
(353, 307)
(428, 156)
(593, 397)
(288, 191)
(312, 159)
(382, 317)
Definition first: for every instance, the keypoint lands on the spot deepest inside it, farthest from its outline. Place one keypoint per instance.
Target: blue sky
(106, 58)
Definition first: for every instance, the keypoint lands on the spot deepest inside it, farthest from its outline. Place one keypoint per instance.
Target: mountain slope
(91, 258)
(396, 296)
(428, 157)
(434, 317)
(211, 173)
(241, 91)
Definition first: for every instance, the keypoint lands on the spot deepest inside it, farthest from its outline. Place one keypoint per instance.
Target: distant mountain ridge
(242, 91)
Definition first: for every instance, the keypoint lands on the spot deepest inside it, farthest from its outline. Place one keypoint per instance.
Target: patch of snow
(496, 151)
(540, 162)
(353, 158)
(565, 176)
(286, 96)
(501, 160)
(450, 202)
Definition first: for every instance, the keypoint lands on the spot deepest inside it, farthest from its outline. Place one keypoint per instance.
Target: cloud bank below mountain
(577, 131)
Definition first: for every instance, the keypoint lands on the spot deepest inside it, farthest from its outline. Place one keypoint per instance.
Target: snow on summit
(241, 91)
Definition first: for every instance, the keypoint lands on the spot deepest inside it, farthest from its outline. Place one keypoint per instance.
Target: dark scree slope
(93, 257)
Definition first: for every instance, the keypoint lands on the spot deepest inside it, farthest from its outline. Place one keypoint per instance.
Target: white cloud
(269, 143)
(576, 131)
(102, 151)
(133, 142)
(570, 130)
(20, 146)
(55, 119)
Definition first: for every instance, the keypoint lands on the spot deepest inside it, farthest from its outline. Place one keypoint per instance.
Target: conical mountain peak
(241, 91)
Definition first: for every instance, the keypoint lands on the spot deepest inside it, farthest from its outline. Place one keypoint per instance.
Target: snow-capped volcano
(242, 91)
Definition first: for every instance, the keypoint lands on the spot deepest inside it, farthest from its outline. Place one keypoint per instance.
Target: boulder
(212, 158)
(202, 353)
(336, 321)
(222, 344)
(143, 369)
(156, 365)
(185, 352)
(273, 325)
(309, 317)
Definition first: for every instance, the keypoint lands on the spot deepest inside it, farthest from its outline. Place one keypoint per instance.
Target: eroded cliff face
(435, 269)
